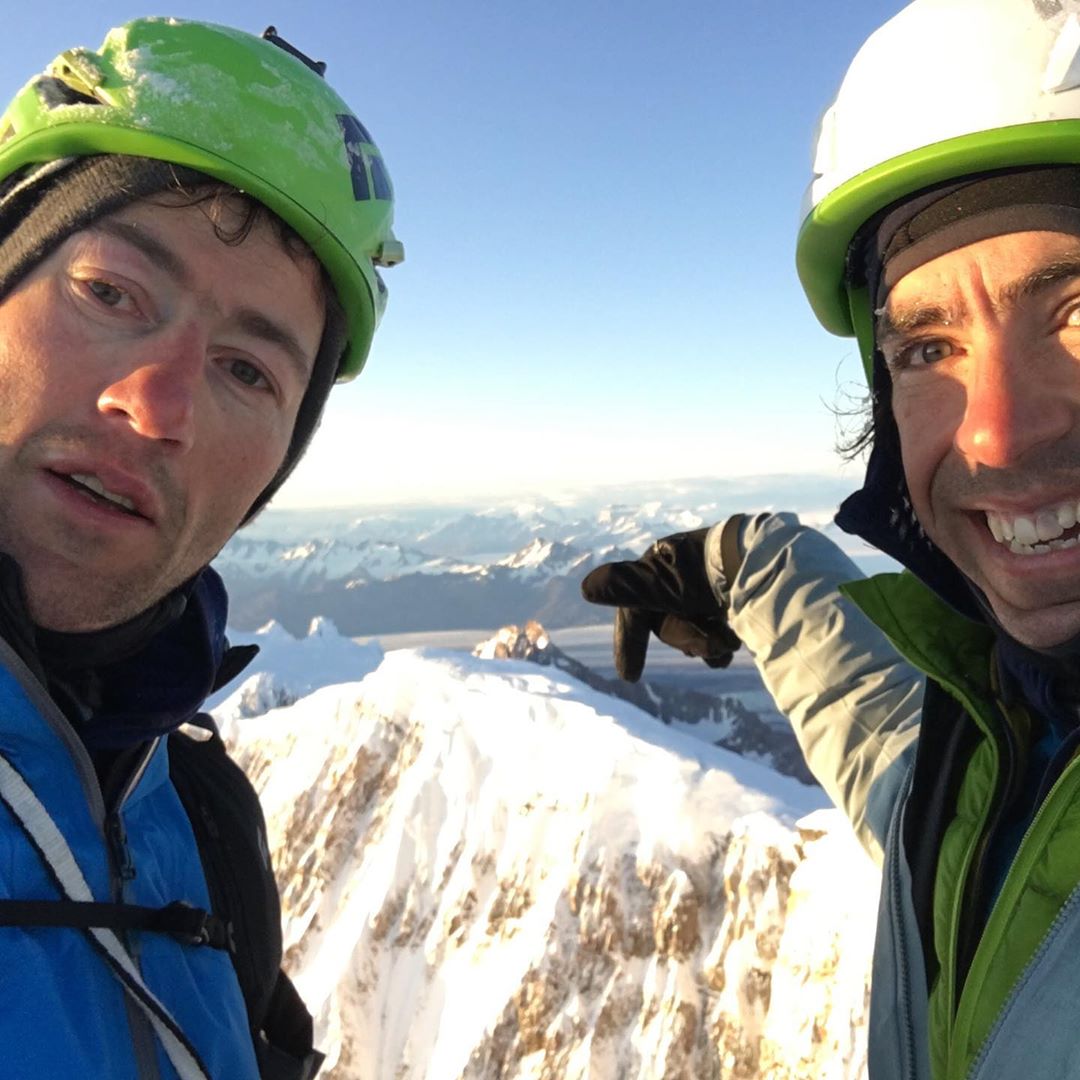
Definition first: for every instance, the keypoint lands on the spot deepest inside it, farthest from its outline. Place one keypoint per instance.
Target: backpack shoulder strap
(230, 831)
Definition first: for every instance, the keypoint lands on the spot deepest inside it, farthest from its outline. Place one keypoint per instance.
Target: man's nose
(1016, 401)
(156, 393)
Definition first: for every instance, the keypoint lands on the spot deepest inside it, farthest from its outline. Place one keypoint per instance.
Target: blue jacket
(63, 1009)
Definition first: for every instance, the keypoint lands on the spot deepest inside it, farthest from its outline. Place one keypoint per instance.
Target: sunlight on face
(983, 346)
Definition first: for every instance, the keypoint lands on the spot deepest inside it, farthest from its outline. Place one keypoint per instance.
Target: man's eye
(923, 353)
(105, 292)
(246, 372)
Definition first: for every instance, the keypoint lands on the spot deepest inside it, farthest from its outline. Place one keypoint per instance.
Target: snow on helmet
(252, 112)
(944, 89)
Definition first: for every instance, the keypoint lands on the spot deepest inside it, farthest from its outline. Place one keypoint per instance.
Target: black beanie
(42, 206)
(952, 215)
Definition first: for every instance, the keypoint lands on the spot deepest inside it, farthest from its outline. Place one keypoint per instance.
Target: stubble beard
(1041, 609)
(70, 580)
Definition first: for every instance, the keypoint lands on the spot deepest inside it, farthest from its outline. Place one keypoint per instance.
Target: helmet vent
(270, 34)
(1063, 66)
(55, 93)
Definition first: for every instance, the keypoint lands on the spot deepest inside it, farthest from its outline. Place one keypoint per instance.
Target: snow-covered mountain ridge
(720, 720)
(491, 870)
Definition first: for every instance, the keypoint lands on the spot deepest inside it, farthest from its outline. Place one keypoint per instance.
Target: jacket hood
(881, 512)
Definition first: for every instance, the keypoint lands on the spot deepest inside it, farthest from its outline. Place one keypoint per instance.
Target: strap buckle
(194, 926)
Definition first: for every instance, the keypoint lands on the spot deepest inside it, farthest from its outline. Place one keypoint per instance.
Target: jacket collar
(129, 683)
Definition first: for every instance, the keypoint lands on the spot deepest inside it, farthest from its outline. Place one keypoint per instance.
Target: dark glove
(666, 593)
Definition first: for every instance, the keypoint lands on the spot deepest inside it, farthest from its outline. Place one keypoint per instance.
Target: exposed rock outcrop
(722, 720)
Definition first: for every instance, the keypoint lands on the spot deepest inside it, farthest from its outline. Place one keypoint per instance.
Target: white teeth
(94, 484)
(1047, 526)
(1033, 549)
(1037, 532)
(1024, 530)
(1042, 549)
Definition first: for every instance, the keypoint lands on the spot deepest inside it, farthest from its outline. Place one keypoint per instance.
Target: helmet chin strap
(862, 319)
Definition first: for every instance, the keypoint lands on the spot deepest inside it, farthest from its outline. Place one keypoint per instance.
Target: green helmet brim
(75, 140)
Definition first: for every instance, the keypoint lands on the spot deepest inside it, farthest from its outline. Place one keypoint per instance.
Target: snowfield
(489, 869)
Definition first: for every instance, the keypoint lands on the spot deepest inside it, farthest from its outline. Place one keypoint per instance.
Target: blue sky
(598, 202)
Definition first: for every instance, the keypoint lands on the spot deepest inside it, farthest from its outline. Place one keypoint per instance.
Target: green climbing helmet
(945, 89)
(252, 112)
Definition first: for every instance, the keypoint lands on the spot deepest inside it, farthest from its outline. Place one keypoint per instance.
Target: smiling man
(191, 223)
(942, 230)
(982, 349)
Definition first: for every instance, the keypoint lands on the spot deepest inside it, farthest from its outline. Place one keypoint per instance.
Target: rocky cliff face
(491, 871)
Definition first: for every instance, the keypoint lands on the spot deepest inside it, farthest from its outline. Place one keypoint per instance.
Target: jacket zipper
(971, 871)
(119, 850)
(1036, 957)
(908, 1050)
(971, 924)
(143, 1039)
(123, 864)
(1044, 944)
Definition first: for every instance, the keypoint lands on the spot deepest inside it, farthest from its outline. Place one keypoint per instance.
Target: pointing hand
(667, 593)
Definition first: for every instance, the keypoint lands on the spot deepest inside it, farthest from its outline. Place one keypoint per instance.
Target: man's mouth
(93, 488)
(1051, 528)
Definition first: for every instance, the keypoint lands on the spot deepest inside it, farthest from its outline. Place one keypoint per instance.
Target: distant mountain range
(384, 571)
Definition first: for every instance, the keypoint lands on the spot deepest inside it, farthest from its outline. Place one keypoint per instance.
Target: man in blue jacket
(191, 228)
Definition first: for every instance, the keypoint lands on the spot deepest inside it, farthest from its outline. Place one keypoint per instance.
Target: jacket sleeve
(853, 702)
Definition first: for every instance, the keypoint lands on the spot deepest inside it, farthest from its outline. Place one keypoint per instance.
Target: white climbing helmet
(945, 89)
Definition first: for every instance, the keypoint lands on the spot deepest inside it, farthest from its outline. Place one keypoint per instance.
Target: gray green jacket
(954, 994)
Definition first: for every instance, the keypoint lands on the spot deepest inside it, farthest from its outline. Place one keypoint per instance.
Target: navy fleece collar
(160, 685)
(131, 683)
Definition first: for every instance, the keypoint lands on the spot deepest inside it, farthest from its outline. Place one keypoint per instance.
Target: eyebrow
(906, 319)
(160, 255)
(249, 320)
(258, 325)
